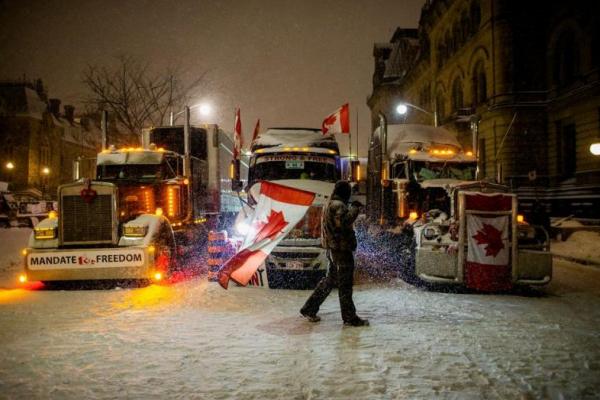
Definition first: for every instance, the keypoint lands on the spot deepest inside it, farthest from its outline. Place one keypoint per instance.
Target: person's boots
(357, 321)
(310, 317)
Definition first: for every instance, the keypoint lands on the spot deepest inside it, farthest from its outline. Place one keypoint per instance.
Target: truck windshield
(425, 170)
(129, 172)
(275, 167)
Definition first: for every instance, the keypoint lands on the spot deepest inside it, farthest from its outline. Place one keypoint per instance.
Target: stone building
(518, 81)
(40, 141)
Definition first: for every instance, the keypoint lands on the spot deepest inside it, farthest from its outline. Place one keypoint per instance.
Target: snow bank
(12, 241)
(581, 244)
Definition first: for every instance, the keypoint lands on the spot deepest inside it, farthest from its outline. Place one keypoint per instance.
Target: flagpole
(357, 133)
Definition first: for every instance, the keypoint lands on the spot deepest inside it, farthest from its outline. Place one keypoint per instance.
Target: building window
(439, 105)
(479, 84)
(475, 14)
(482, 158)
(566, 149)
(441, 54)
(464, 22)
(457, 95)
(565, 62)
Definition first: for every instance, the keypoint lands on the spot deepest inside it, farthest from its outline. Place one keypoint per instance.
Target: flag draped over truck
(278, 210)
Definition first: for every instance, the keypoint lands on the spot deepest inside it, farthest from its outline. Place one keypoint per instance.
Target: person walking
(339, 239)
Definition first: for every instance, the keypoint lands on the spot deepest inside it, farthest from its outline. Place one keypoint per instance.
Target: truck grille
(86, 222)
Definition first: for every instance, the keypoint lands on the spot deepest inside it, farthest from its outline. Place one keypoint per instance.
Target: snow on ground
(583, 245)
(196, 340)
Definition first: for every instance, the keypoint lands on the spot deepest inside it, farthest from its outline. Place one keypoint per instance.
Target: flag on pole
(488, 259)
(278, 210)
(256, 130)
(237, 135)
(338, 122)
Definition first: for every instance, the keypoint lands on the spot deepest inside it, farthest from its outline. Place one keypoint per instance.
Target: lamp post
(205, 110)
(402, 109)
(45, 173)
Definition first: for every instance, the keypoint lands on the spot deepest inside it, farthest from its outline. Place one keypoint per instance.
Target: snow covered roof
(130, 157)
(21, 101)
(294, 137)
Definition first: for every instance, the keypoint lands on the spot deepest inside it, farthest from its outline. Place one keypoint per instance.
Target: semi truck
(431, 218)
(301, 158)
(144, 206)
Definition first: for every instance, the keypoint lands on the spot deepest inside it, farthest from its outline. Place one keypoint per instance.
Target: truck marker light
(22, 278)
(186, 181)
(520, 218)
(469, 153)
(413, 215)
(412, 151)
(52, 215)
(157, 276)
(158, 212)
(151, 249)
(24, 252)
(305, 149)
(161, 149)
(232, 170)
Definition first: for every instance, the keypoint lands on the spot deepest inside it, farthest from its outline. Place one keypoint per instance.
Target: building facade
(40, 142)
(518, 81)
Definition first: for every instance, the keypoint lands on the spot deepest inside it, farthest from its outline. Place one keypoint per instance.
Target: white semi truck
(424, 205)
(128, 222)
(304, 159)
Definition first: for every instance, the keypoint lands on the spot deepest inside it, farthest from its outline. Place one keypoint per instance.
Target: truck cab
(305, 159)
(425, 200)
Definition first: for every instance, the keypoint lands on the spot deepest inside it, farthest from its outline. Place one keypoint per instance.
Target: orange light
(172, 201)
(22, 278)
(305, 149)
(52, 214)
(161, 149)
(151, 249)
(24, 252)
(158, 212)
(231, 170)
(412, 151)
(358, 172)
(520, 218)
(413, 215)
(186, 181)
(469, 153)
(157, 276)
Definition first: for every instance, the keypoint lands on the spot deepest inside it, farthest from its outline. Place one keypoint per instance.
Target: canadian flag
(237, 135)
(278, 210)
(488, 257)
(338, 122)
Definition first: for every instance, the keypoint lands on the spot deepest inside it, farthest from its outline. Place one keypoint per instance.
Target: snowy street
(195, 340)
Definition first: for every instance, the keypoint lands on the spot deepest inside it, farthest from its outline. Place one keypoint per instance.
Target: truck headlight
(44, 233)
(431, 232)
(135, 230)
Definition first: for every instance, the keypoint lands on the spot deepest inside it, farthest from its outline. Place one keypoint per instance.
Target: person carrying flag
(338, 237)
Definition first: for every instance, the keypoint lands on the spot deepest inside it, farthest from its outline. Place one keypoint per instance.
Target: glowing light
(287, 148)
(232, 170)
(46, 171)
(305, 149)
(24, 252)
(296, 148)
(520, 218)
(10, 165)
(205, 110)
(22, 278)
(242, 228)
(595, 149)
(151, 249)
(52, 214)
(158, 212)
(358, 172)
(413, 215)
(186, 181)
(332, 152)
(157, 276)
(412, 151)
(161, 149)
(401, 109)
(469, 153)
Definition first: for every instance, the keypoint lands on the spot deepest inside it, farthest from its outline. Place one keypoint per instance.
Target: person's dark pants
(340, 274)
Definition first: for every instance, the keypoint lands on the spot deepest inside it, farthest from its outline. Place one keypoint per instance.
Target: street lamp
(402, 109)
(595, 149)
(205, 111)
(10, 166)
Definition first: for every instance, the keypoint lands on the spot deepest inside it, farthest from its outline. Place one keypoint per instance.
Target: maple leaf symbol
(269, 229)
(491, 237)
(328, 122)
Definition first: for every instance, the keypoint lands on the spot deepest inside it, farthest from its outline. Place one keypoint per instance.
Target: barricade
(219, 251)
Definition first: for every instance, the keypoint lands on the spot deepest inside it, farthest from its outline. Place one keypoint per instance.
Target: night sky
(287, 62)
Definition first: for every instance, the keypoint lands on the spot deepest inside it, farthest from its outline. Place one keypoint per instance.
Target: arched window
(457, 94)
(475, 13)
(441, 54)
(465, 25)
(449, 44)
(479, 84)
(565, 63)
(439, 104)
(458, 36)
